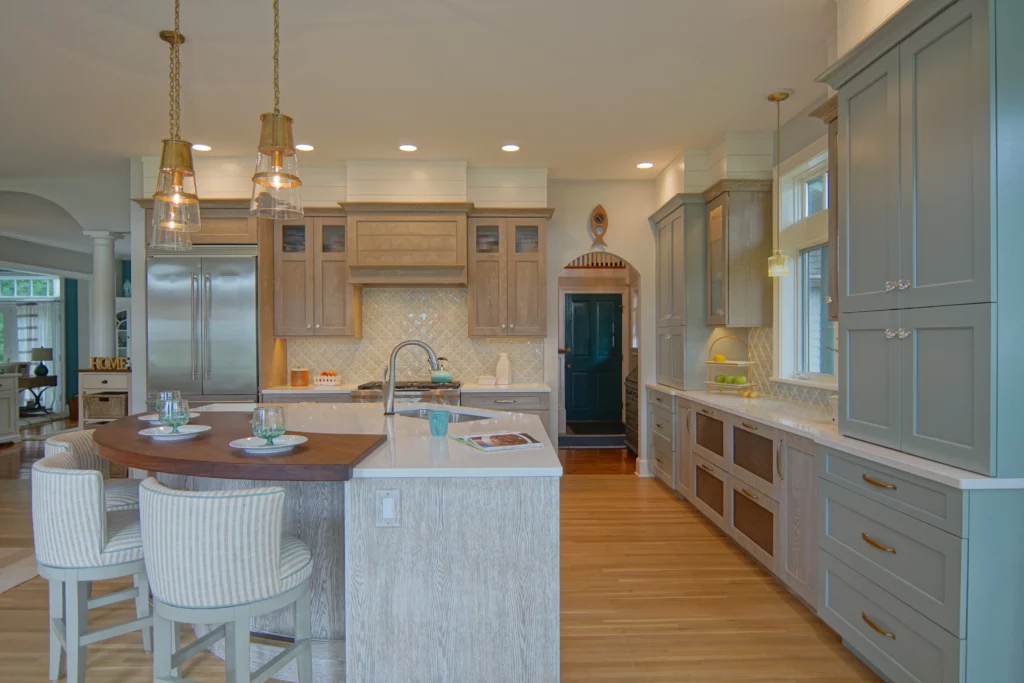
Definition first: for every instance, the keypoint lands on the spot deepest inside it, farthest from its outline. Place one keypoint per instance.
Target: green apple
(720, 379)
(742, 379)
(730, 379)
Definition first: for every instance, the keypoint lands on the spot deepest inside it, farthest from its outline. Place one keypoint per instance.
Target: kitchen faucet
(389, 395)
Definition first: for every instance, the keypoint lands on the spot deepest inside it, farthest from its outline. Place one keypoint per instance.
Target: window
(29, 287)
(634, 317)
(815, 193)
(817, 334)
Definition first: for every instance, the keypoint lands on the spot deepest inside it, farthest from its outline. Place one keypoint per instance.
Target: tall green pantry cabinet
(919, 559)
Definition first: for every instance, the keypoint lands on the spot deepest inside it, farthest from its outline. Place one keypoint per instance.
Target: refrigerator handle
(207, 296)
(193, 293)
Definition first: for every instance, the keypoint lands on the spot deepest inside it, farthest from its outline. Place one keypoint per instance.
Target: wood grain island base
(462, 583)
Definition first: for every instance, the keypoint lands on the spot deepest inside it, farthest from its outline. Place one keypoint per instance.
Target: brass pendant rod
(277, 49)
(778, 172)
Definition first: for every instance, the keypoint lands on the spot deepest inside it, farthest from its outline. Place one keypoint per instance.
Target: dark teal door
(593, 357)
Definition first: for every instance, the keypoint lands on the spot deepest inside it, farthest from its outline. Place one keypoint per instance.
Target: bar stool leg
(236, 651)
(175, 644)
(56, 612)
(76, 605)
(303, 621)
(163, 647)
(142, 608)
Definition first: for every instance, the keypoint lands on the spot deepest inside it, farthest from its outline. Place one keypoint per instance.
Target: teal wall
(70, 337)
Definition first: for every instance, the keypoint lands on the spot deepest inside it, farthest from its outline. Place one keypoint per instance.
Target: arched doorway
(599, 352)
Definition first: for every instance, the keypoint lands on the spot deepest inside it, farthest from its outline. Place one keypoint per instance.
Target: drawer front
(921, 565)
(755, 523)
(663, 461)
(901, 643)
(510, 402)
(656, 398)
(710, 486)
(90, 382)
(709, 435)
(662, 423)
(8, 383)
(929, 502)
(755, 456)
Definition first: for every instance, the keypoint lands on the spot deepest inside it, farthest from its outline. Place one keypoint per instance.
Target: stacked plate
(255, 445)
(184, 432)
(154, 419)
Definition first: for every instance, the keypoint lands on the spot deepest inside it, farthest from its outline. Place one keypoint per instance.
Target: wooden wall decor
(599, 225)
(109, 364)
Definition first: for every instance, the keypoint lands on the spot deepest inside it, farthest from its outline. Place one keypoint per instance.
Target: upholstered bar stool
(119, 494)
(218, 557)
(78, 541)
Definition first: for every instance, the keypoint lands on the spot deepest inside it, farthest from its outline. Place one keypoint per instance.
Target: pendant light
(778, 263)
(175, 202)
(276, 182)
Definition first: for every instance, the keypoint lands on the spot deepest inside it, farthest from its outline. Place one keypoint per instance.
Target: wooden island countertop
(324, 457)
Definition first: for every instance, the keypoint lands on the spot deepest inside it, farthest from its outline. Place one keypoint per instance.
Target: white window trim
(796, 236)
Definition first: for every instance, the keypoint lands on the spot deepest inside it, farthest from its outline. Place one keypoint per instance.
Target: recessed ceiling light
(201, 148)
(645, 164)
(304, 148)
(407, 148)
(510, 148)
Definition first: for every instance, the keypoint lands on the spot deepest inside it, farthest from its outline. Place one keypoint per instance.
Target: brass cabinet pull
(778, 461)
(505, 400)
(749, 426)
(875, 544)
(878, 483)
(687, 420)
(748, 494)
(872, 624)
(705, 468)
(706, 411)
(659, 425)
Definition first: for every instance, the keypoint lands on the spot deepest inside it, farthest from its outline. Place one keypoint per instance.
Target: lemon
(718, 358)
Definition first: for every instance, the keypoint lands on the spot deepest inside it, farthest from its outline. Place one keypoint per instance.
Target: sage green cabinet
(915, 139)
(671, 343)
(670, 273)
(921, 381)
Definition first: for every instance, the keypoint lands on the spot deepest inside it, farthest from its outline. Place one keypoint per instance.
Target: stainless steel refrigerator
(201, 322)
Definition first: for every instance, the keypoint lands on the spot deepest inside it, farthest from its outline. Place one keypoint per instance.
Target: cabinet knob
(503, 326)
(902, 333)
(890, 333)
(902, 284)
(309, 326)
(829, 299)
(511, 325)
(318, 326)
(890, 286)
(103, 381)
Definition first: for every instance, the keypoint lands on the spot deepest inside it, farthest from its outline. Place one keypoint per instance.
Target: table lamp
(39, 355)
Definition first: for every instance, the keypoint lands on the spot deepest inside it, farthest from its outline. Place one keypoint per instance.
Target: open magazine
(492, 443)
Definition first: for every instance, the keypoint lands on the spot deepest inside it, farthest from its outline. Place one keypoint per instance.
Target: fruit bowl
(328, 378)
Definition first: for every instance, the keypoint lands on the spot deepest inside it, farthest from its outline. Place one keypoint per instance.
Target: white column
(101, 340)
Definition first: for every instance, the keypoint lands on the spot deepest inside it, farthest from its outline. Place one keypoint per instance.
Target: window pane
(815, 191)
(23, 287)
(6, 287)
(817, 353)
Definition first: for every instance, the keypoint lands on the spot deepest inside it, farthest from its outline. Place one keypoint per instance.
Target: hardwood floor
(651, 592)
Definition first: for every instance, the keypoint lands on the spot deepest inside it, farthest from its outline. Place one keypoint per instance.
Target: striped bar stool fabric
(119, 494)
(78, 541)
(219, 557)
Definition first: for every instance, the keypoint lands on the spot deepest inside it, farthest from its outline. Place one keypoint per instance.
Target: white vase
(504, 370)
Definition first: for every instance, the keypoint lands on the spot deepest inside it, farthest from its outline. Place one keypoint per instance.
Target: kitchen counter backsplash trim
(436, 315)
(761, 345)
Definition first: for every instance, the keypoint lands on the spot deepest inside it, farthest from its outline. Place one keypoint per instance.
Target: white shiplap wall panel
(404, 181)
(507, 187)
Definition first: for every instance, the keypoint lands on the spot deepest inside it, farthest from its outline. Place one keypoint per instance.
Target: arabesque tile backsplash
(438, 316)
(761, 343)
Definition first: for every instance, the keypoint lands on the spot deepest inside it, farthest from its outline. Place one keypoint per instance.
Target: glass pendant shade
(175, 202)
(276, 186)
(778, 264)
(170, 240)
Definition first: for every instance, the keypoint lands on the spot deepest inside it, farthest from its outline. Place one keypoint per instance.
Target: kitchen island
(433, 561)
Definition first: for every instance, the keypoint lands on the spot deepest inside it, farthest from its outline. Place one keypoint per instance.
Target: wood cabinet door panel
(800, 518)
(226, 226)
(293, 278)
(718, 261)
(671, 348)
(869, 181)
(527, 277)
(948, 385)
(488, 277)
(334, 300)
(408, 241)
(671, 290)
(869, 377)
(945, 143)
(8, 413)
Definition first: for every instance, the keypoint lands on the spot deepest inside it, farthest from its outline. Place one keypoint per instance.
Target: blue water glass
(268, 423)
(438, 422)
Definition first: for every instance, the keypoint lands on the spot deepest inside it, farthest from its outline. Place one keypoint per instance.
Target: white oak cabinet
(684, 447)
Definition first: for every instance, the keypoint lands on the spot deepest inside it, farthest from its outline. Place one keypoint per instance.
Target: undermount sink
(453, 418)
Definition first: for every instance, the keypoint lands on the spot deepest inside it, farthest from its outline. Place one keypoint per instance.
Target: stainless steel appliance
(201, 322)
(448, 393)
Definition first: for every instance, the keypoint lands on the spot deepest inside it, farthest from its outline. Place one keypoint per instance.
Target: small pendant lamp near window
(778, 263)
(276, 184)
(175, 202)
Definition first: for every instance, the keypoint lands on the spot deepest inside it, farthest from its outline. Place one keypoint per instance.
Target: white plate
(154, 419)
(258, 446)
(184, 432)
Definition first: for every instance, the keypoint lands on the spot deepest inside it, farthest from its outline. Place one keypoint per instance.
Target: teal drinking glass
(173, 413)
(438, 422)
(169, 395)
(268, 423)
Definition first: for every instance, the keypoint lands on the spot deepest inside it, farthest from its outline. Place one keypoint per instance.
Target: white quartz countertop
(312, 389)
(519, 388)
(410, 450)
(812, 422)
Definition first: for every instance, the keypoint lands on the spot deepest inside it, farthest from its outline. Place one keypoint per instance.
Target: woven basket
(106, 405)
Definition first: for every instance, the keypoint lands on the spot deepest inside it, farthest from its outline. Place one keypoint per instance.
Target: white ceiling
(588, 88)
